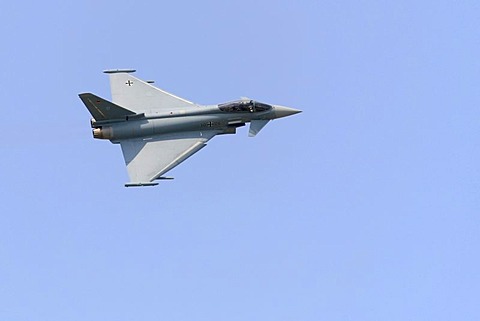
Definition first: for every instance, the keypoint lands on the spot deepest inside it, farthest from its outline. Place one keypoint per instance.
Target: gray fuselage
(196, 118)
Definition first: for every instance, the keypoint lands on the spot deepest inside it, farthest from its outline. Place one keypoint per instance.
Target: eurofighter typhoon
(157, 130)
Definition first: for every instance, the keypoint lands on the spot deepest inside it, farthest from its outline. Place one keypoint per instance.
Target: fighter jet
(158, 130)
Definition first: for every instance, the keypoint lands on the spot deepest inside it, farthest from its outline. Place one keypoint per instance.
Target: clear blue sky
(364, 207)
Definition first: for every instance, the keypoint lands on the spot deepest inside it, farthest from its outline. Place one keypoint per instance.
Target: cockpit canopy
(244, 106)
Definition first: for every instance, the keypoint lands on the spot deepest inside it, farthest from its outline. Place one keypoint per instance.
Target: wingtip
(115, 71)
(140, 184)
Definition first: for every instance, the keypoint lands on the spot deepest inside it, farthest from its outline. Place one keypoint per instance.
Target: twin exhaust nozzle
(102, 133)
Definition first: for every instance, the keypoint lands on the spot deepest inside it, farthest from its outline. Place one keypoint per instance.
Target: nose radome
(282, 111)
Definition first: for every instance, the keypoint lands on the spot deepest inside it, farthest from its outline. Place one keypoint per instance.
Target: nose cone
(282, 111)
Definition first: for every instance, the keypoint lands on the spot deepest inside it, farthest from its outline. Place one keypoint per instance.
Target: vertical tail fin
(102, 109)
